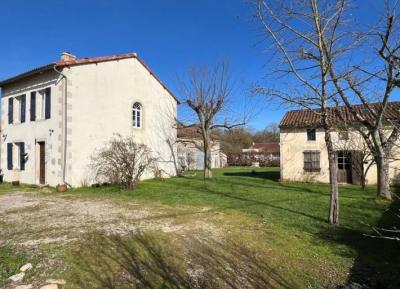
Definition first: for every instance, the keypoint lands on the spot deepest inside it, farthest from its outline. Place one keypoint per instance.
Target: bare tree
(122, 161)
(269, 134)
(376, 123)
(207, 94)
(296, 32)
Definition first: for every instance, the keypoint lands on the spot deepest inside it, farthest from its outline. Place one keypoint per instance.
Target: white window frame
(137, 115)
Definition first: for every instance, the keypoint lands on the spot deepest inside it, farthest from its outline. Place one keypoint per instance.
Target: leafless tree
(379, 130)
(208, 94)
(122, 161)
(295, 32)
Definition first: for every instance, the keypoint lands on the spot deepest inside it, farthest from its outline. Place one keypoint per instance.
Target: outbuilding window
(311, 134)
(137, 115)
(312, 161)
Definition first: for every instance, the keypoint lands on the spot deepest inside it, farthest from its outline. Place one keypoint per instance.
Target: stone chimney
(66, 56)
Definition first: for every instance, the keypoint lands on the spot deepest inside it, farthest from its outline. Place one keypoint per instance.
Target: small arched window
(137, 115)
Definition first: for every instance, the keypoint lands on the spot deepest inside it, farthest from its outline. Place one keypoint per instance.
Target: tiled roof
(266, 147)
(337, 115)
(89, 60)
(192, 131)
(188, 131)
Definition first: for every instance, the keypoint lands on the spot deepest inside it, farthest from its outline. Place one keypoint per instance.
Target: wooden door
(344, 167)
(42, 163)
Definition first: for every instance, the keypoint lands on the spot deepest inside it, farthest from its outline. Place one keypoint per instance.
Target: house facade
(190, 153)
(304, 155)
(55, 117)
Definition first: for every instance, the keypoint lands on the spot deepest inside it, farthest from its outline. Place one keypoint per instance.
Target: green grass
(281, 225)
(294, 222)
(10, 262)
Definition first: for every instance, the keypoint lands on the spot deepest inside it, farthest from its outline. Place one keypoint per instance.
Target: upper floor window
(17, 109)
(137, 115)
(343, 135)
(43, 103)
(311, 134)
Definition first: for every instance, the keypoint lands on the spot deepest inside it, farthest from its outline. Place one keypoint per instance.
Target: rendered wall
(30, 132)
(294, 142)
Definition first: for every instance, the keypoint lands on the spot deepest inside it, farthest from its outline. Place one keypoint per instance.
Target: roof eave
(27, 74)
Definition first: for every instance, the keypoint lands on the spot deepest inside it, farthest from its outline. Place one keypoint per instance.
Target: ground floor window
(312, 161)
(16, 156)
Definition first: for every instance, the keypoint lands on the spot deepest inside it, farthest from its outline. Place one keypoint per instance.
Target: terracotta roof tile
(336, 115)
(266, 147)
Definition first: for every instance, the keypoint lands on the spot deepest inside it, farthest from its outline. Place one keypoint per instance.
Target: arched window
(137, 115)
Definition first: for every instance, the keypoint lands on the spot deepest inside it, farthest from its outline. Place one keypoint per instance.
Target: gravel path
(30, 219)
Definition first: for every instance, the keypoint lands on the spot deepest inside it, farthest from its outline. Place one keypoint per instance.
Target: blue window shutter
(22, 156)
(23, 107)
(9, 156)
(33, 105)
(47, 112)
(10, 110)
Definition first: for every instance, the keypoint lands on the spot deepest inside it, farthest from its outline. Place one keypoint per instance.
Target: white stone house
(56, 116)
(304, 154)
(190, 153)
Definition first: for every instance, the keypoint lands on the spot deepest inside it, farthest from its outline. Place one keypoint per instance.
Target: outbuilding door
(344, 173)
(199, 160)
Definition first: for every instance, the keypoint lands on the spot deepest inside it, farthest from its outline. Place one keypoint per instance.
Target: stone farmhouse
(304, 155)
(56, 116)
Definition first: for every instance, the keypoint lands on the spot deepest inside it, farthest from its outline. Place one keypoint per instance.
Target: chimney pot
(66, 56)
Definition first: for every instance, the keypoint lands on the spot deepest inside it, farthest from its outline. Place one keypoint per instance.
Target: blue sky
(168, 35)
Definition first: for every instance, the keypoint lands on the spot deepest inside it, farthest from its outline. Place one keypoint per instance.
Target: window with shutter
(22, 108)
(33, 106)
(10, 110)
(9, 156)
(312, 161)
(47, 103)
(21, 146)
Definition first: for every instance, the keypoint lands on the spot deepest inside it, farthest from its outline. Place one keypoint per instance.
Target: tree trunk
(382, 166)
(363, 177)
(207, 157)
(334, 202)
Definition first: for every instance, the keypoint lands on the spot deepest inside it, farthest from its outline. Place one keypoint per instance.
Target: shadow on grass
(377, 264)
(158, 260)
(270, 175)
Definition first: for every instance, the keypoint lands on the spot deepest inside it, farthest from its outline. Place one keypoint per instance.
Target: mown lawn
(300, 243)
(256, 233)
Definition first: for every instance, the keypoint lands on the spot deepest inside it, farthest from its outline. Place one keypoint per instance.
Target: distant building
(190, 152)
(264, 151)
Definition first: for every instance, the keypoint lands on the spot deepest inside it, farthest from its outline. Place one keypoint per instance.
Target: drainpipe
(64, 167)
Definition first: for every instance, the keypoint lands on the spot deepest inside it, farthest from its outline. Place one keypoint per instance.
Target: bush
(122, 161)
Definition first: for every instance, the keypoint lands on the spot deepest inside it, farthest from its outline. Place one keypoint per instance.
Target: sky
(169, 35)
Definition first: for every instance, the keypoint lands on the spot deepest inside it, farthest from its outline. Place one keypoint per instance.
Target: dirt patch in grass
(30, 219)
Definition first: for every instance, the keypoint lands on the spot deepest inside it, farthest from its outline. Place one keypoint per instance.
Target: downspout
(64, 167)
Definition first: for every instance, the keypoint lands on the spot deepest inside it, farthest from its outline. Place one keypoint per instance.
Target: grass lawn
(284, 223)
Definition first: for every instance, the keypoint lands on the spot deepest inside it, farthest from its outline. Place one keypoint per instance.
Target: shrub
(122, 161)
